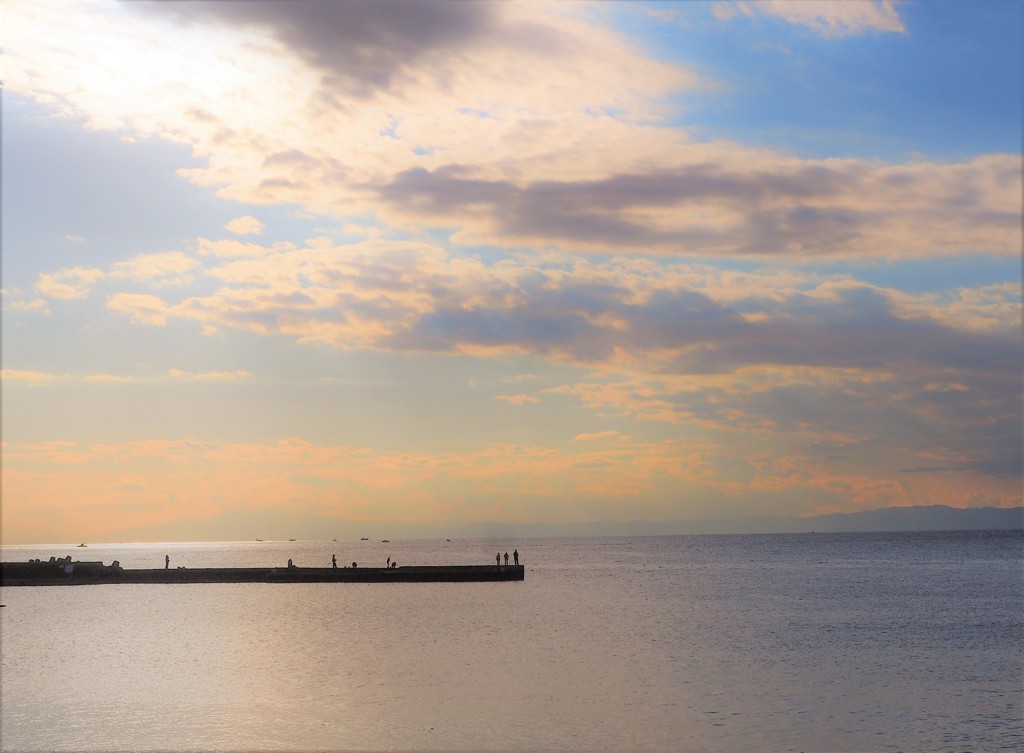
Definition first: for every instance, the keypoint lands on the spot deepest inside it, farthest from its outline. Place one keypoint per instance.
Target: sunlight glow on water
(713, 643)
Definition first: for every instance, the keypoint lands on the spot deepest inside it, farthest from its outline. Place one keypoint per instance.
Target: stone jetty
(64, 572)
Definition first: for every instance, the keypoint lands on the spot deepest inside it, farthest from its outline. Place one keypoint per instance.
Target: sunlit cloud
(247, 225)
(69, 283)
(407, 296)
(518, 399)
(597, 436)
(164, 269)
(815, 359)
(230, 248)
(142, 308)
(30, 377)
(827, 18)
(40, 305)
(554, 161)
(112, 378)
(210, 376)
(536, 205)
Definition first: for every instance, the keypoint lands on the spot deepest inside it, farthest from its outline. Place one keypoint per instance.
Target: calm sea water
(818, 642)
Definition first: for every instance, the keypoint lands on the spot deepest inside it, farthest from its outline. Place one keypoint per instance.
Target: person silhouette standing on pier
(334, 561)
(497, 560)
(167, 562)
(515, 556)
(506, 559)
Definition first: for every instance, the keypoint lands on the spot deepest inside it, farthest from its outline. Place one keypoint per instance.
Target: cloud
(164, 269)
(210, 376)
(365, 49)
(790, 208)
(820, 360)
(39, 304)
(827, 18)
(113, 378)
(518, 399)
(247, 225)
(227, 247)
(407, 127)
(69, 283)
(143, 309)
(597, 436)
(362, 46)
(673, 318)
(30, 377)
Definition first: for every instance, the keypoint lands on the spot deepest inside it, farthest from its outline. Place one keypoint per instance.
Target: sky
(403, 266)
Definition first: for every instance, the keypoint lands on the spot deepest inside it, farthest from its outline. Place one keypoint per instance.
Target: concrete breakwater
(63, 572)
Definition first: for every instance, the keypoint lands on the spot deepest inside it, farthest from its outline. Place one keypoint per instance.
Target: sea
(788, 642)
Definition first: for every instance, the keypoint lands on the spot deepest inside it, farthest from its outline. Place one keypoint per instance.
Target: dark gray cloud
(360, 45)
(976, 422)
(594, 211)
(856, 328)
(808, 209)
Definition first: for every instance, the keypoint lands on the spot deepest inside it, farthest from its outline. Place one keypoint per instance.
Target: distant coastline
(242, 527)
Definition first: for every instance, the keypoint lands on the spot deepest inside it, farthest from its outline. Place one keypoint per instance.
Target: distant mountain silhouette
(922, 518)
(271, 525)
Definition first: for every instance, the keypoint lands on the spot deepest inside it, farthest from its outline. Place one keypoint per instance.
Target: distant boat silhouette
(385, 541)
(291, 539)
(259, 539)
(364, 538)
(81, 544)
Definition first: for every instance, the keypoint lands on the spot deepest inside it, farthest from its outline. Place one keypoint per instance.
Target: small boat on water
(365, 538)
(385, 541)
(82, 545)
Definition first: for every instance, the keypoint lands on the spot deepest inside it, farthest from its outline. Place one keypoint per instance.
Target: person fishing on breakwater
(167, 562)
(334, 561)
(515, 556)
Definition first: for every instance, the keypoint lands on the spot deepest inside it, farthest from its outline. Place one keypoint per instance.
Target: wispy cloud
(142, 308)
(826, 17)
(164, 269)
(31, 377)
(519, 399)
(38, 304)
(109, 378)
(210, 376)
(597, 436)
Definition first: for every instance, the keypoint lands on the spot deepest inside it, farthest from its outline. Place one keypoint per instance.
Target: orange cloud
(518, 399)
(30, 377)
